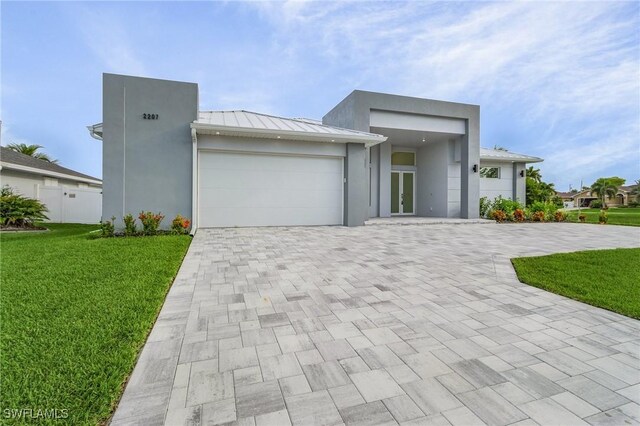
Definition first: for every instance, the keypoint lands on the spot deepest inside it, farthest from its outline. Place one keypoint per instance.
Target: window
(403, 159)
(490, 172)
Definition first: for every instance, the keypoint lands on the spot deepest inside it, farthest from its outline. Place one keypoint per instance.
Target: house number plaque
(148, 116)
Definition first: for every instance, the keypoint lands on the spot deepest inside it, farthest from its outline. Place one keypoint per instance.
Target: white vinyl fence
(71, 204)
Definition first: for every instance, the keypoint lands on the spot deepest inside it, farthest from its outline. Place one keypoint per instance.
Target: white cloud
(568, 69)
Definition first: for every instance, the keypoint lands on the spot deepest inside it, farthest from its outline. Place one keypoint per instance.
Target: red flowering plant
(519, 215)
(559, 216)
(180, 225)
(538, 216)
(499, 215)
(150, 222)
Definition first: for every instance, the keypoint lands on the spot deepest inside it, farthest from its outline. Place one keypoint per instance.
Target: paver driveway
(382, 324)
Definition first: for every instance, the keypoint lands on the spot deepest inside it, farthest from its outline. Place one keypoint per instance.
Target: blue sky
(559, 80)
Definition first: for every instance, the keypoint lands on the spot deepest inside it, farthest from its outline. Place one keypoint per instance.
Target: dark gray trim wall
(353, 112)
(147, 163)
(356, 200)
(519, 183)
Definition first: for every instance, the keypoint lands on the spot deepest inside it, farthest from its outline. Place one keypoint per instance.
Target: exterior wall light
(521, 173)
(475, 168)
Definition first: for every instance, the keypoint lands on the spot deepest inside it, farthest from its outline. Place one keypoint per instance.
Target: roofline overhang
(93, 131)
(292, 135)
(512, 160)
(27, 169)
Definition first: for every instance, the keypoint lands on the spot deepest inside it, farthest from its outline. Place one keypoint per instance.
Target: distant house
(70, 196)
(624, 196)
(567, 199)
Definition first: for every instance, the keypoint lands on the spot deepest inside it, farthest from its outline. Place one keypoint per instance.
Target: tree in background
(537, 190)
(606, 187)
(534, 174)
(636, 191)
(31, 151)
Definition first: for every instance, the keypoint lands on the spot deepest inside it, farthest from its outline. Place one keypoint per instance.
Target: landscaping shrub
(150, 222)
(485, 206)
(557, 201)
(538, 216)
(634, 204)
(180, 225)
(595, 204)
(507, 206)
(559, 216)
(129, 225)
(498, 215)
(519, 215)
(603, 218)
(107, 228)
(537, 206)
(542, 210)
(19, 211)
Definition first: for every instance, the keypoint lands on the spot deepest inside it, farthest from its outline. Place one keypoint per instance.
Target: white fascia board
(511, 160)
(212, 129)
(33, 170)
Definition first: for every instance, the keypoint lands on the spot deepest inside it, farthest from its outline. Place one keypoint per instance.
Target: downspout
(194, 181)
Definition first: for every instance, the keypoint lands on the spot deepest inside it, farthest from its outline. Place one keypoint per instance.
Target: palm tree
(606, 187)
(534, 174)
(31, 151)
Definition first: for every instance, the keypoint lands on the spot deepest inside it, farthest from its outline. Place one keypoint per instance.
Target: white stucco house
(372, 155)
(70, 196)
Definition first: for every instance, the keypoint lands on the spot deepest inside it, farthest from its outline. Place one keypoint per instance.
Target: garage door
(239, 189)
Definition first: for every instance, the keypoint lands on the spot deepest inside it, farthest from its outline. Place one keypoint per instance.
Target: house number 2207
(150, 116)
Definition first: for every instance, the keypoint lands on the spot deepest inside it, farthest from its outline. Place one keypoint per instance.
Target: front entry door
(402, 193)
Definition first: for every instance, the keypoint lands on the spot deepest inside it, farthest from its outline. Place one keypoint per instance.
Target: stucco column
(356, 198)
(470, 180)
(519, 183)
(385, 179)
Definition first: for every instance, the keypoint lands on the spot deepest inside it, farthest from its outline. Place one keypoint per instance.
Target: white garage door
(240, 189)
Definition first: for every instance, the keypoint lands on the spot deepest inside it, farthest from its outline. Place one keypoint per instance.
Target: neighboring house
(567, 199)
(373, 155)
(624, 196)
(71, 197)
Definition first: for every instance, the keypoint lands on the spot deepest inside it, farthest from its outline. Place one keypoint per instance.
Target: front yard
(617, 216)
(74, 314)
(609, 279)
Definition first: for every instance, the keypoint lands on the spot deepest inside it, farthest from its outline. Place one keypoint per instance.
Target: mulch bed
(22, 229)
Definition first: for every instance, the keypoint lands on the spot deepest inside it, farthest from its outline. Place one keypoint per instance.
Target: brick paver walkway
(413, 324)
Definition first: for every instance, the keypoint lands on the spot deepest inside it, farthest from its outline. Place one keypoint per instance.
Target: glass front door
(402, 192)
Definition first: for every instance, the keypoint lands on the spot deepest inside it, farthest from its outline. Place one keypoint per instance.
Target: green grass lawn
(609, 279)
(75, 312)
(617, 216)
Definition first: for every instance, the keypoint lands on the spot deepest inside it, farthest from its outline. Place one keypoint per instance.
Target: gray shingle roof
(9, 156)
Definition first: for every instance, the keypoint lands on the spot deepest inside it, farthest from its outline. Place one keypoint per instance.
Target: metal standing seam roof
(257, 122)
(500, 155)
(9, 156)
